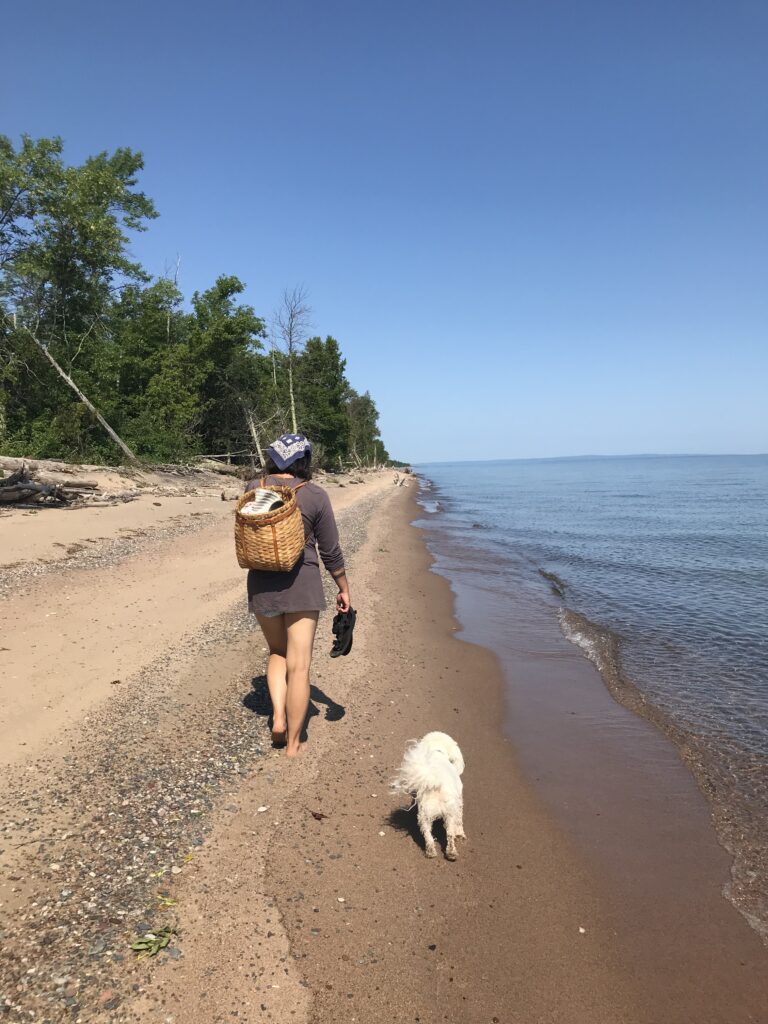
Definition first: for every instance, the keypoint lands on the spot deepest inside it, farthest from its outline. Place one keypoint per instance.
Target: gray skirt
(275, 593)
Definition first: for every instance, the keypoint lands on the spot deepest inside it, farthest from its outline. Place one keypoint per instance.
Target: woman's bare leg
(276, 635)
(300, 627)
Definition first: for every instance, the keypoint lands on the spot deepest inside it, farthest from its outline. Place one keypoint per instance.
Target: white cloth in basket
(264, 501)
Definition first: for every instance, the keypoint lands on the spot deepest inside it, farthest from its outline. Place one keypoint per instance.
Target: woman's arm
(327, 536)
(342, 598)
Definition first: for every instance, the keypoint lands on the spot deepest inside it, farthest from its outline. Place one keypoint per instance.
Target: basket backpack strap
(263, 483)
(298, 488)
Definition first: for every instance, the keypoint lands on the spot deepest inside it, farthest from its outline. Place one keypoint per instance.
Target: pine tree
(321, 399)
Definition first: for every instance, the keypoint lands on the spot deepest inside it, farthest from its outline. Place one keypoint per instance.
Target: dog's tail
(423, 770)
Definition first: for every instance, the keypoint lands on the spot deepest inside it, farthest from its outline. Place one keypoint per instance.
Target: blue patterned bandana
(287, 448)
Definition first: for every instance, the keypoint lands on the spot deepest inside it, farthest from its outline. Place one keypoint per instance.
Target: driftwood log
(21, 488)
(33, 467)
(219, 467)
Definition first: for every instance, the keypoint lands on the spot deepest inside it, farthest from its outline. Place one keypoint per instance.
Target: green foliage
(172, 381)
(365, 445)
(322, 391)
(150, 943)
(155, 403)
(23, 177)
(66, 241)
(225, 339)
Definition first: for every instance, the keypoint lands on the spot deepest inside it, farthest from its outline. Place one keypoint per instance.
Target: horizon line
(574, 458)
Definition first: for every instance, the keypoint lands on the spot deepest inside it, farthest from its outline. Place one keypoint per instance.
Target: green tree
(225, 341)
(365, 445)
(322, 391)
(156, 404)
(74, 250)
(65, 255)
(23, 178)
(166, 427)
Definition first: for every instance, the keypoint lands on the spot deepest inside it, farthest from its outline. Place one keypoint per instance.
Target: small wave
(582, 640)
(599, 645)
(424, 498)
(557, 585)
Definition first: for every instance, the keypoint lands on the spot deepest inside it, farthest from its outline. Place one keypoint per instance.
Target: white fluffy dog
(431, 774)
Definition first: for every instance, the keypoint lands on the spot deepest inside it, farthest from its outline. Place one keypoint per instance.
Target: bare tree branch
(291, 324)
(83, 339)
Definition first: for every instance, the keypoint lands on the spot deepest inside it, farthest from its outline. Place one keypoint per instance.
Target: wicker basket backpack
(270, 541)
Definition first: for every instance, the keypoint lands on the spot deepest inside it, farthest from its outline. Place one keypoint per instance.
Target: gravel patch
(16, 579)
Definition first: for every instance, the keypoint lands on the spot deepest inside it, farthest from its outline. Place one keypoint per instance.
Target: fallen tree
(83, 398)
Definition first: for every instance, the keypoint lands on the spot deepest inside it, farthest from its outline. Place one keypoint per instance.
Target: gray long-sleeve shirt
(301, 589)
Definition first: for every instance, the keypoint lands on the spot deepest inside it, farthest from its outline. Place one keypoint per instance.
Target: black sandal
(343, 625)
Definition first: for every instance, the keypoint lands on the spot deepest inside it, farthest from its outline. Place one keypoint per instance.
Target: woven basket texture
(273, 541)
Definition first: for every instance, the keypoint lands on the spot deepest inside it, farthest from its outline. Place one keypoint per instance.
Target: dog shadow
(259, 701)
(405, 821)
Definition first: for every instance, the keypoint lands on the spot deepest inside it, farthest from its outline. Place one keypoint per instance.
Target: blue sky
(536, 228)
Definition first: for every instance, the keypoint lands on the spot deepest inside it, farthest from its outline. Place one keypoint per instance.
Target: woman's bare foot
(279, 733)
(294, 751)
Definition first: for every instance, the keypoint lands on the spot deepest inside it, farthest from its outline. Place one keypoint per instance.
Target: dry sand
(102, 592)
(165, 784)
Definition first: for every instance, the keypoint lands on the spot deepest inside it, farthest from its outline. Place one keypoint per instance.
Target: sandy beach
(142, 793)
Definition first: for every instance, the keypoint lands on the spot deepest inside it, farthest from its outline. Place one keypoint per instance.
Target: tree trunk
(290, 391)
(65, 376)
(254, 431)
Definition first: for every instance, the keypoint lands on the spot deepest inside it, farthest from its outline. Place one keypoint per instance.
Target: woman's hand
(342, 598)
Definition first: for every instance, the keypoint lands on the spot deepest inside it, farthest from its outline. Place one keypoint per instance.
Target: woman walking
(287, 604)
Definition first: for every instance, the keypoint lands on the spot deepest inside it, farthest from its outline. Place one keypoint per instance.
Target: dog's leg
(452, 829)
(460, 823)
(425, 824)
(451, 853)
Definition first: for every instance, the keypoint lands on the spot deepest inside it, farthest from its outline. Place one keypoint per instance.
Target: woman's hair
(302, 468)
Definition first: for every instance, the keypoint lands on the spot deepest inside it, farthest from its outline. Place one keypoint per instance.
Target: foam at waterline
(588, 637)
(429, 504)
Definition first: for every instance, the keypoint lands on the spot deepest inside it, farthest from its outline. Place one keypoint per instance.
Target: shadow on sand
(404, 820)
(258, 701)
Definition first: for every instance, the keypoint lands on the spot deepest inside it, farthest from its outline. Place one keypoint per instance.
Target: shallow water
(657, 567)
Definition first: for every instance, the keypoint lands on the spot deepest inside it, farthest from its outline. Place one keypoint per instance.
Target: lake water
(657, 567)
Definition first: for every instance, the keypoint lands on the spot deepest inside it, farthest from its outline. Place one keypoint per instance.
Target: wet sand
(619, 789)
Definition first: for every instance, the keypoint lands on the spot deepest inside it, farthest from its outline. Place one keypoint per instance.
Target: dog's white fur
(431, 773)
